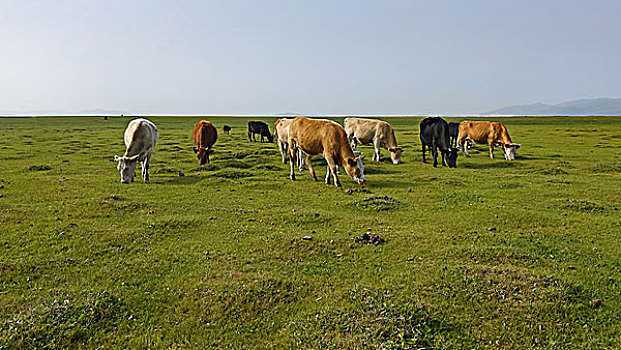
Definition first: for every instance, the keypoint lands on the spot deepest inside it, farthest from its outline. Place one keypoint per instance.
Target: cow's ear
(195, 149)
(516, 145)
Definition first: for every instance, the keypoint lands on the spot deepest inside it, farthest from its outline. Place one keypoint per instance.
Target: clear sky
(306, 56)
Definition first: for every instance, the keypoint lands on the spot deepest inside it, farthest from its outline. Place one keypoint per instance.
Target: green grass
(493, 254)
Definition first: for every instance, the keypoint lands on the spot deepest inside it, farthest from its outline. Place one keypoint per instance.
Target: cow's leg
(331, 168)
(491, 150)
(282, 147)
(462, 142)
(145, 168)
(301, 165)
(307, 159)
(376, 152)
(249, 138)
(327, 174)
(292, 161)
(424, 161)
(444, 154)
(434, 153)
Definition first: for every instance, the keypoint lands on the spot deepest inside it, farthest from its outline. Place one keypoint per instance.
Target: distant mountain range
(597, 106)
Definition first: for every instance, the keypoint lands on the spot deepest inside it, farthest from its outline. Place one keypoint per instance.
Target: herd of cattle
(301, 138)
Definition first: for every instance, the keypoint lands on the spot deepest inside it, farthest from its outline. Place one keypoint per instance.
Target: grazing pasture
(493, 254)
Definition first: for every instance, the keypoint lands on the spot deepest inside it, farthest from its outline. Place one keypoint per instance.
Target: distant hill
(597, 106)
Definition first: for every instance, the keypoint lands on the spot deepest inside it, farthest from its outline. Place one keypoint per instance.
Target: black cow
(260, 128)
(453, 133)
(434, 133)
(226, 129)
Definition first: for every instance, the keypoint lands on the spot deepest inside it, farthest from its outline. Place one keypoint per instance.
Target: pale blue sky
(323, 57)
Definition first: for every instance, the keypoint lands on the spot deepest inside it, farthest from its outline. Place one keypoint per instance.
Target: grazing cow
(281, 133)
(226, 129)
(204, 136)
(140, 139)
(255, 127)
(372, 130)
(491, 133)
(329, 139)
(453, 133)
(434, 134)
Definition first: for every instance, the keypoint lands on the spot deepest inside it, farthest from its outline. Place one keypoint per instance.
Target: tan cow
(372, 130)
(491, 133)
(326, 138)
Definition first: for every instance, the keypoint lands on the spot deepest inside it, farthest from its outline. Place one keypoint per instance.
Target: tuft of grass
(39, 168)
(380, 203)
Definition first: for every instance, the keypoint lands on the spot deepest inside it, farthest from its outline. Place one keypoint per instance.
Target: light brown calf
(491, 133)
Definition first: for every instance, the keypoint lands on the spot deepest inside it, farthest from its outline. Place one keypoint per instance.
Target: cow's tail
(276, 128)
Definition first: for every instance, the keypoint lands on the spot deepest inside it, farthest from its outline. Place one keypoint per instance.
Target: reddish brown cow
(491, 133)
(324, 137)
(204, 136)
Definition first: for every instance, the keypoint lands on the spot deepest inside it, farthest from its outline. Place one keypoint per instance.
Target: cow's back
(140, 137)
(365, 130)
(204, 134)
(483, 131)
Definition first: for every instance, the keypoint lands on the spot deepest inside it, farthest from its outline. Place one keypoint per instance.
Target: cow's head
(127, 168)
(451, 157)
(355, 168)
(270, 137)
(510, 150)
(395, 154)
(202, 154)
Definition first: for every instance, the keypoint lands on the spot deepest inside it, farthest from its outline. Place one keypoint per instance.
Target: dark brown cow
(203, 136)
(491, 133)
(328, 138)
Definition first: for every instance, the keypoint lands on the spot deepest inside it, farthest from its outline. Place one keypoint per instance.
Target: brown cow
(328, 138)
(204, 136)
(491, 133)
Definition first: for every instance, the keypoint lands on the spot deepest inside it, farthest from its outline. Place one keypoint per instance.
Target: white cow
(281, 132)
(140, 139)
(376, 131)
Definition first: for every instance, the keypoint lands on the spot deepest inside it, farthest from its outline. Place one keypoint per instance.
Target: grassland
(493, 254)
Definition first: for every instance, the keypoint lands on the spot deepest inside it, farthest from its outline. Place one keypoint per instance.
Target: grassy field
(493, 254)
